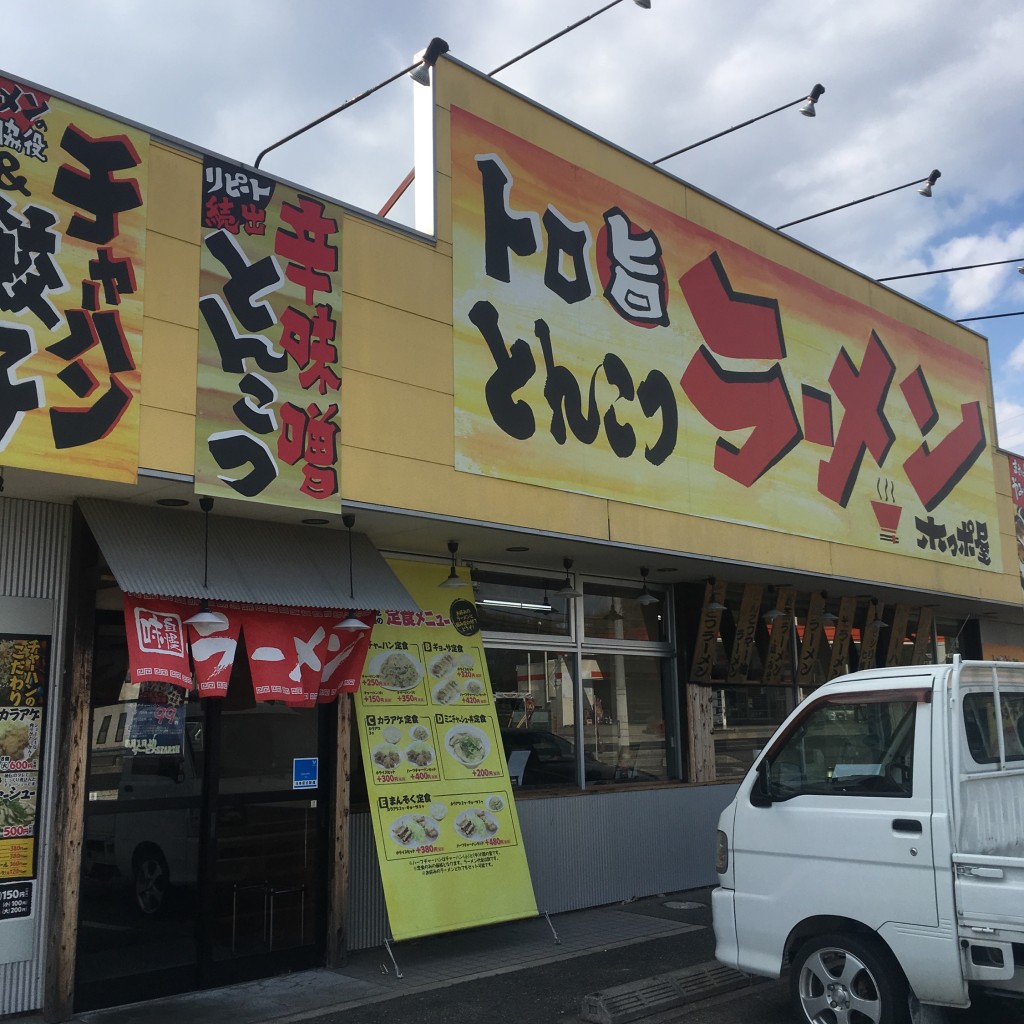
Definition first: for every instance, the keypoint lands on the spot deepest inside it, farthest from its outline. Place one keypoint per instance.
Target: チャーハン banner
(72, 257)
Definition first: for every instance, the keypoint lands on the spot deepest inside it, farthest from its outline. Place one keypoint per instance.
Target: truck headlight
(721, 852)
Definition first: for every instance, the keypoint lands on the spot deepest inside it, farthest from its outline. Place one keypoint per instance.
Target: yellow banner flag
(448, 839)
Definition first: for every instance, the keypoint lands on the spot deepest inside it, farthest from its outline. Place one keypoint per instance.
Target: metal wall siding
(34, 539)
(158, 551)
(583, 851)
(367, 923)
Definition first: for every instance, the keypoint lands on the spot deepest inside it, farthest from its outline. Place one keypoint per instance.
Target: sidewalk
(649, 935)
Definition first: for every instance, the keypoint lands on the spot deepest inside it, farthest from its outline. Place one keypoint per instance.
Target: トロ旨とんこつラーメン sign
(606, 345)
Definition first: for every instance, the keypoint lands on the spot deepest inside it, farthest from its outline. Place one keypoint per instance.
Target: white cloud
(1016, 358)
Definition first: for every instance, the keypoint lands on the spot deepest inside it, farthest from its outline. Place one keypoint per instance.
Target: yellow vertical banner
(72, 267)
(268, 398)
(444, 818)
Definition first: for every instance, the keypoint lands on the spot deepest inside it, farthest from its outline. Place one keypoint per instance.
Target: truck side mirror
(760, 792)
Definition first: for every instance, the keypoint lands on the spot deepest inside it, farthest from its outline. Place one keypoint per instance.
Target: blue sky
(910, 86)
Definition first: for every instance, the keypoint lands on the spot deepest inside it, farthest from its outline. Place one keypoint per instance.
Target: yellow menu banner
(444, 817)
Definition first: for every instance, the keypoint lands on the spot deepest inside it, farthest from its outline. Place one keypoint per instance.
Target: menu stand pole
(398, 970)
(547, 917)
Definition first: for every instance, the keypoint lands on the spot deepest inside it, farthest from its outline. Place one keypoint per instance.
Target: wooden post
(72, 746)
(337, 897)
(700, 720)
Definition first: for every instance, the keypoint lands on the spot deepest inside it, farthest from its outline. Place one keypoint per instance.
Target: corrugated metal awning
(159, 552)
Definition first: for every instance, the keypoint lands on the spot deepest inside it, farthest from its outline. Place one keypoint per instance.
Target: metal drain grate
(663, 992)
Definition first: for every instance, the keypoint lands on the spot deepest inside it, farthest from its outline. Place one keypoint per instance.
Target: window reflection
(622, 718)
(508, 603)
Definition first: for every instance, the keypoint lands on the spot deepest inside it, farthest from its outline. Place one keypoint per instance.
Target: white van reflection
(136, 759)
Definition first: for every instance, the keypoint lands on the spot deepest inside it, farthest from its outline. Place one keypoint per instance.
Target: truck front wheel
(847, 979)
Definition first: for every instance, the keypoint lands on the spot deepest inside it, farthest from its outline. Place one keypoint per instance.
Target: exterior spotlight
(427, 59)
(453, 579)
(717, 606)
(926, 189)
(645, 4)
(808, 108)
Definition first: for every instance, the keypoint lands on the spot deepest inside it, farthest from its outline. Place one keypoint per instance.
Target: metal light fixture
(568, 590)
(453, 580)
(717, 606)
(807, 110)
(772, 614)
(427, 59)
(925, 191)
(437, 46)
(646, 597)
(350, 621)
(205, 620)
(829, 618)
(989, 316)
(419, 73)
(950, 270)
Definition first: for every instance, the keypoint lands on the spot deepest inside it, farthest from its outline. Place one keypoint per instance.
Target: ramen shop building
(662, 469)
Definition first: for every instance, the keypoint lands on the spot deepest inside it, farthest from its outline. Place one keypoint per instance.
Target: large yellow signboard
(72, 259)
(269, 389)
(448, 840)
(609, 346)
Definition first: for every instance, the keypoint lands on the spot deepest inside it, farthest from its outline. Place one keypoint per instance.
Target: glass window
(534, 698)
(614, 611)
(510, 603)
(848, 749)
(623, 722)
(623, 718)
(980, 726)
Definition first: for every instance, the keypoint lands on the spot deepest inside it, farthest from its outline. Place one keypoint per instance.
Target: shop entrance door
(263, 877)
(204, 855)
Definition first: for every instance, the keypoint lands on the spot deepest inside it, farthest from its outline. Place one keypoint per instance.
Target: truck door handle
(906, 825)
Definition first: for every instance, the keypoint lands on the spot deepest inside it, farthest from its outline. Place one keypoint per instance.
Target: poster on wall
(444, 817)
(24, 667)
(72, 260)
(607, 345)
(269, 387)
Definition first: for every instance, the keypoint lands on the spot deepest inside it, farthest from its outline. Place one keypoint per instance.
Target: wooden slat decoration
(700, 721)
(869, 638)
(898, 652)
(923, 651)
(777, 663)
(808, 675)
(746, 628)
(707, 634)
(841, 640)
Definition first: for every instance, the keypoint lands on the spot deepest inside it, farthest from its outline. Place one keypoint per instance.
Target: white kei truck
(877, 845)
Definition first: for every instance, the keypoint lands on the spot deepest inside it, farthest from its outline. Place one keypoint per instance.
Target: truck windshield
(850, 749)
